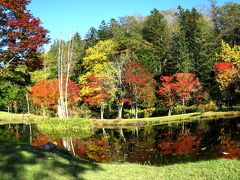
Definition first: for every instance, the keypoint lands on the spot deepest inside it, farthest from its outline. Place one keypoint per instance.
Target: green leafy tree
(227, 23)
(8, 96)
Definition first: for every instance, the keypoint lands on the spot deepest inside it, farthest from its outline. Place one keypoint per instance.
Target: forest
(168, 62)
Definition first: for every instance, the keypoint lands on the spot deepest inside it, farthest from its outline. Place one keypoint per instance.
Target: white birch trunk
(120, 109)
(102, 111)
(28, 107)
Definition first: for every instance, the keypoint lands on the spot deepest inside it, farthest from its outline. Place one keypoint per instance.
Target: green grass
(6, 118)
(72, 127)
(108, 123)
(25, 162)
(47, 123)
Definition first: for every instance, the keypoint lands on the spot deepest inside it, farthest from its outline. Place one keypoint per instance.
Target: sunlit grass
(25, 162)
(166, 119)
(6, 118)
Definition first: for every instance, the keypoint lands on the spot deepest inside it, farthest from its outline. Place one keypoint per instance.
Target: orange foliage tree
(46, 93)
(96, 91)
(225, 75)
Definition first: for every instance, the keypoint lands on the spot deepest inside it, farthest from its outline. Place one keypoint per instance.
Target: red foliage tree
(99, 91)
(140, 84)
(186, 85)
(21, 34)
(167, 91)
(46, 93)
(178, 87)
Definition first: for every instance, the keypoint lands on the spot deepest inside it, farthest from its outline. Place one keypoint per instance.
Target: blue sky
(62, 17)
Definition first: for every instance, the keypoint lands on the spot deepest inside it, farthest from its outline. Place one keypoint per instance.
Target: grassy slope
(24, 162)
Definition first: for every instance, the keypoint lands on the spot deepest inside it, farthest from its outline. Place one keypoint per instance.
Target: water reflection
(156, 145)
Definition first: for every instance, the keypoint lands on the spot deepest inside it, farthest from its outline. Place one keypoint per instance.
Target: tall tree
(155, 32)
(22, 35)
(193, 41)
(78, 54)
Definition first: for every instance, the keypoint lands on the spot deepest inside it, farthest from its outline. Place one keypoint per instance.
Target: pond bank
(18, 161)
(109, 123)
(6, 118)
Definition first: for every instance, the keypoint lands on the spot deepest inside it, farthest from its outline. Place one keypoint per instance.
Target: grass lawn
(6, 118)
(24, 162)
(12, 118)
(110, 123)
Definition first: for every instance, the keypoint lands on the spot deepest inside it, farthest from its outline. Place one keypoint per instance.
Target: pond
(153, 145)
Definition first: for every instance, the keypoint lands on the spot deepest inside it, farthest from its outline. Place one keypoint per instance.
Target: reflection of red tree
(41, 139)
(99, 150)
(80, 148)
(184, 144)
(230, 148)
(142, 152)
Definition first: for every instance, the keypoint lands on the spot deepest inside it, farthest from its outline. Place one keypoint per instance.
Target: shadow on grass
(26, 162)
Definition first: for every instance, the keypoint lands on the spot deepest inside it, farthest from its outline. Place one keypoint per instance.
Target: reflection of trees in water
(153, 144)
(183, 142)
(68, 144)
(16, 133)
(99, 150)
(229, 147)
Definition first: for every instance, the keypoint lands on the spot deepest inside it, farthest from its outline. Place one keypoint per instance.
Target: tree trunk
(183, 103)
(120, 108)
(122, 134)
(28, 107)
(102, 111)
(169, 112)
(136, 111)
(30, 131)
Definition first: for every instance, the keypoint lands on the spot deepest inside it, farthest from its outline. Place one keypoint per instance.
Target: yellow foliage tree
(230, 54)
(99, 54)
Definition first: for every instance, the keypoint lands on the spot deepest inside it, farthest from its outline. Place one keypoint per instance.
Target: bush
(211, 106)
(179, 109)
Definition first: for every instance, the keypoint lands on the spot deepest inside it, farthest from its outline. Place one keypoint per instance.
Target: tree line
(173, 61)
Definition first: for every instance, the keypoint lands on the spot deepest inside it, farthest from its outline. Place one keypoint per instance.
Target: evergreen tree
(155, 32)
(104, 32)
(91, 37)
(78, 54)
(193, 42)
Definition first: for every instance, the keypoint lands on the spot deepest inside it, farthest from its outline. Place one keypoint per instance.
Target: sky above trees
(63, 17)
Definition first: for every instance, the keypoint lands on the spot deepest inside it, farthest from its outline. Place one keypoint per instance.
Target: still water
(153, 145)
